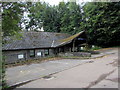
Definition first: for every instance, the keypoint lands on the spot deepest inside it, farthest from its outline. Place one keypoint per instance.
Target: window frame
(45, 52)
(33, 51)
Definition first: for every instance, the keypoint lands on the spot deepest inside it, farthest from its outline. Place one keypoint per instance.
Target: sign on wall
(20, 56)
(82, 48)
(39, 54)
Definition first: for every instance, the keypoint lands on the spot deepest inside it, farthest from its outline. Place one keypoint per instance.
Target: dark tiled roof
(31, 40)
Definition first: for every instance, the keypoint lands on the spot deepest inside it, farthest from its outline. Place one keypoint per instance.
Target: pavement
(69, 73)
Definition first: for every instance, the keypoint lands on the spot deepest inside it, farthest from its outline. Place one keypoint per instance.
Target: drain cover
(49, 77)
(91, 61)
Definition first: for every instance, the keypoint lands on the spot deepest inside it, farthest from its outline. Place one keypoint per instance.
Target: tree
(102, 25)
(43, 15)
(64, 18)
(12, 13)
(70, 18)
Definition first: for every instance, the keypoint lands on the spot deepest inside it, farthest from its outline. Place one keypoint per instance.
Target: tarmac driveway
(102, 73)
(24, 73)
(20, 74)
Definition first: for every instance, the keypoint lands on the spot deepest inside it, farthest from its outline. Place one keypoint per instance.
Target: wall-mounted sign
(20, 56)
(39, 53)
(81, 48)
(93, 46)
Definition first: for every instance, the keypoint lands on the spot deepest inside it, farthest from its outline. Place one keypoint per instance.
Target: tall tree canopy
(102, 27)
(65, 17)
(12, 13)
(71, 18)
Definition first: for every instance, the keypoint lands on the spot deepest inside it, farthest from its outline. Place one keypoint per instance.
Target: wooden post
(73, 45)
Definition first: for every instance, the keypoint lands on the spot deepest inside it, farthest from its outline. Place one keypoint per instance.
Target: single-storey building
(34, 45)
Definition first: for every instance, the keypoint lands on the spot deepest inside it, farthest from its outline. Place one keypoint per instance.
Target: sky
(56, 2)
(53, 2)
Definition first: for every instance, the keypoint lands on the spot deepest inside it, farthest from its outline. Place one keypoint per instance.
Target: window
(20, 56)
(32, 53)
(46, 52)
